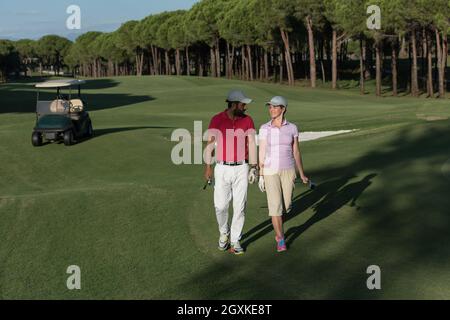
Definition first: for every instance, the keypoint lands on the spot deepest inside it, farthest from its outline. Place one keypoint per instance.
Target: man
(233, 134)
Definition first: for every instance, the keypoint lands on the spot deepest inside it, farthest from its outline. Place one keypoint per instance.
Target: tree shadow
(103, 132)
(21, 97)
(96, 102)
(332, 202)
(300, 204)
(97, 84)
(404, 223)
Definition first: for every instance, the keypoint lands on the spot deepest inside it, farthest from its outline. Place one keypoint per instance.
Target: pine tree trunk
(213, 62)
(414, 80)
(423, 61)
(444, 62)
(394, 71)
(312, 52)
(362, 64)
(430, 90)
(243, 72)
(288, 59)
(324, 79)
(228, 64)
(281, 66)
(266, 65)
(154, 60)
(137, 64)
(250, 62)
(218, 63)
(334, 63)
(246, 65)
(188, 62)
(230, 60)
(261, 65)
(166, 54)
(200, 66)
(378, 68)
(368, 60)
(159, 62)
(257, 63)
(94, 69)
(177, 62)
(441, 50)
(403, 54)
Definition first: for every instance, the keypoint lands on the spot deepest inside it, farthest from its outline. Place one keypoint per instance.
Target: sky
(32, 19)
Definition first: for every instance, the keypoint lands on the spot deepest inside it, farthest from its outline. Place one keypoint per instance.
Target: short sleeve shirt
(231, 136)
(279, 145)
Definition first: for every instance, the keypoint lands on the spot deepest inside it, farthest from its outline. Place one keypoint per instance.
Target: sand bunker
(309, 136)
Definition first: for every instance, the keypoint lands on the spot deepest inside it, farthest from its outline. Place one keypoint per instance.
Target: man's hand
(252, 175)
(208, 173)
(261, 184)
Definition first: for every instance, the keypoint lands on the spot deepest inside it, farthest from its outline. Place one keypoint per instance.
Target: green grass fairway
(142, 228)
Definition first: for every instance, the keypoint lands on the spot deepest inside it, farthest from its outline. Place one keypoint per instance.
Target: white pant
(231, 182)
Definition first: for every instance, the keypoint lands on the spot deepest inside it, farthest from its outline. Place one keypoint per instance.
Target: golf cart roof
(60, 83)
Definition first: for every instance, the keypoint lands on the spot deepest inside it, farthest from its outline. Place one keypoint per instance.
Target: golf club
(311, 185)
(207, 183)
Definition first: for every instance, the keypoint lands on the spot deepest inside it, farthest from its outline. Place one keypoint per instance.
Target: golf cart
(62, 118)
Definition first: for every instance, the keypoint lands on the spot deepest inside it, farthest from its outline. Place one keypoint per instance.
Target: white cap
(278, 101)
(238, 96)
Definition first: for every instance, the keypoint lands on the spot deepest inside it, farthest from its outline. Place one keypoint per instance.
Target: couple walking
(232, 137)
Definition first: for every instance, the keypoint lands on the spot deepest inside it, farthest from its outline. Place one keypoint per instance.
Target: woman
(279, 157)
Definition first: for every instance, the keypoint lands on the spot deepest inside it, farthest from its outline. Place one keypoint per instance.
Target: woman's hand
(304, 178)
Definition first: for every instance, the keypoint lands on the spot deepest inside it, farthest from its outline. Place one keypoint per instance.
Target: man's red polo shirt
(232, 146)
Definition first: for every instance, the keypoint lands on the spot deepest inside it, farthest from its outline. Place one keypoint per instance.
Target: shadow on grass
(103, 132)
(21, 97)
(300, 204)
(331, 203)
(401, 222)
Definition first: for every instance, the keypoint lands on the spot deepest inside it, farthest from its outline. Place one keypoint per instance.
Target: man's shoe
(224, 242)
(236, 248)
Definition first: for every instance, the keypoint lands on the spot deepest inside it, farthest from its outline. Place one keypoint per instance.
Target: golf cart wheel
(68, 137)
(36, 139)
(90, 130)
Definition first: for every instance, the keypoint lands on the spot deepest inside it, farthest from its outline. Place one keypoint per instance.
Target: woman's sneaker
(223, 242)
(281, 244)
(236, 248)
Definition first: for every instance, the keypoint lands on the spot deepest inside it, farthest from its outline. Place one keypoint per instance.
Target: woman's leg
(278, 226)
(287, 186)
(275, 202)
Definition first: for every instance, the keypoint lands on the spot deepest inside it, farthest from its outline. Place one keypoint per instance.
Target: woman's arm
(298, 160)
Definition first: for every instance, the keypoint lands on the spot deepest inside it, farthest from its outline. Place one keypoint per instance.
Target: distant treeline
(267, 40)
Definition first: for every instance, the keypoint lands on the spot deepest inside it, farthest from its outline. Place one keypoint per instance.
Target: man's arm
(209, 154)
(252, 149)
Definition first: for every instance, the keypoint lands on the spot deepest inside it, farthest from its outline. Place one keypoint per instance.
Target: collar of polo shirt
(283, 124)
